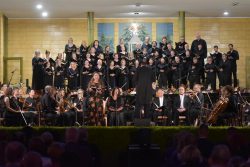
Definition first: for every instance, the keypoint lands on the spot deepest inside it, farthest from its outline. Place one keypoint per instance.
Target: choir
(80, 87)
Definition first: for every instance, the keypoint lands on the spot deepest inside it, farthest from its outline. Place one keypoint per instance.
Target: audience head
(191, 156)
(83, 134)
(220, 156)
(14, 152)
(31, 159)
(203, 131)
(71, 135)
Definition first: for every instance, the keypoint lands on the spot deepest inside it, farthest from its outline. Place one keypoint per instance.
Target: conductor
(145, 81)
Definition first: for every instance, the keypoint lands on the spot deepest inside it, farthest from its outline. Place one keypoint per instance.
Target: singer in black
(70, 47)
(225, 71)
(38, 71)
(72, 74)
(233, 56)
(123, 76)
(59, 74)
(210, 70)
(86, 74)
(194, 73)
(144, 79)
(48, 74)
(115, 105)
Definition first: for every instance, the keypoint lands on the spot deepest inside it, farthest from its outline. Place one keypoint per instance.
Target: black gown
(132, 72)
(123, 78)
(111, 77)
(86, 74)
(68, 51)
(162, 74)
(48, 76)
(59, 77)
(37, 76)
(72, 79)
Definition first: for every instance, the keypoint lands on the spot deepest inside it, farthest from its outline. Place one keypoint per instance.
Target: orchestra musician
(227, 92)
(210, 70)
(95, 102)
(181, 106)
(70, 47)
(196, 104)
(49, 104)
(115, 106)
(159, 105)
(233, 56)
(30, 107)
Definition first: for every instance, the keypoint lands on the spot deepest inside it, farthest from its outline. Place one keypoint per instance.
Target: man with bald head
(198, 41)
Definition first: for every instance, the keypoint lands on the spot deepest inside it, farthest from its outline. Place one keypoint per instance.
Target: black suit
(144, 78)
(234, 55)
(156, 104)
(177, 105)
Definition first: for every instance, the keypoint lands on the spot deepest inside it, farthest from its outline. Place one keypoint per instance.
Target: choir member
(159, 105)
(49, 105)
(72, 75)
(144, 80)
(89, 59)
(201, 55)
(132, 72)
(180, 46)
(167, 51)
(123, 54)
(194, 72)
(93, 55)
(198, 41)
(95, 104)
(210, 70)
(152, 64)
(30, 107)
(100, 69)
(181, 106)
(86, 74)
(177, 69)
(111, 75)
(154, 48)
(217, 56)
(146, 43)
(196, 104)
(231, 110)
(162, 69)
(97, 47)
(131, 60)
(48, 74)
(13, 109)
(123, 76)
(186, 61)
(60, 57)
(83, 49)
(225, 71)
(108, 55)
(163, 43)
(121, 44)
(115, 106)
(117, 60)
(144, 55)
(233, 56)
(69, 49)
(59, 74)
(38, 71)
(138, 51)
(49, 59)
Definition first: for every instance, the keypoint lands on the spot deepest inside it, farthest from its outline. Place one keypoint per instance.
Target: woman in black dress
(97, 47)
(111, 75)
(100, 69)
(123, 76)
(38, 71)
(48, 74)
(72, 74)
(132, 72)
(116, 60)
(59, 74)
(69, 49)
(162, 69)
(86, 74)
(121, 44)
(115, 107)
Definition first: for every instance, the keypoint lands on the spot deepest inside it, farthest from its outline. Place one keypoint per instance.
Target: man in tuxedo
(181, 105)
(233, 56)
(144, 79)
(160, 104)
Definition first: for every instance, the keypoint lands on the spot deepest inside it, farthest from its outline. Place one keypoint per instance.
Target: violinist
(13, 109)
(227, 93)
(29, 107)
(196, 104)
(115, 107)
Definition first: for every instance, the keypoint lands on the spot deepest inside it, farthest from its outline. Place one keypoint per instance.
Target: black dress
(86, 74)
(111, 77)
(162, 74)
(59, 76)
(123, 78)
(38, 71)
(72, 79)
(48, 76)
(68, 51)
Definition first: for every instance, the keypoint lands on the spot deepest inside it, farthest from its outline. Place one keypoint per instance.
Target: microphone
(14, 70)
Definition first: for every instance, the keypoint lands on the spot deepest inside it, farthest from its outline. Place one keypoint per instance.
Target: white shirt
(181, 101)
(161, 101)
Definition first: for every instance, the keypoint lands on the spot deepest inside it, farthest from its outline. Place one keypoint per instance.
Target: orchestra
(93, 86)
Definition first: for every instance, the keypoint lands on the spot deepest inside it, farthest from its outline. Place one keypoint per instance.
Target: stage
(113, 141)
